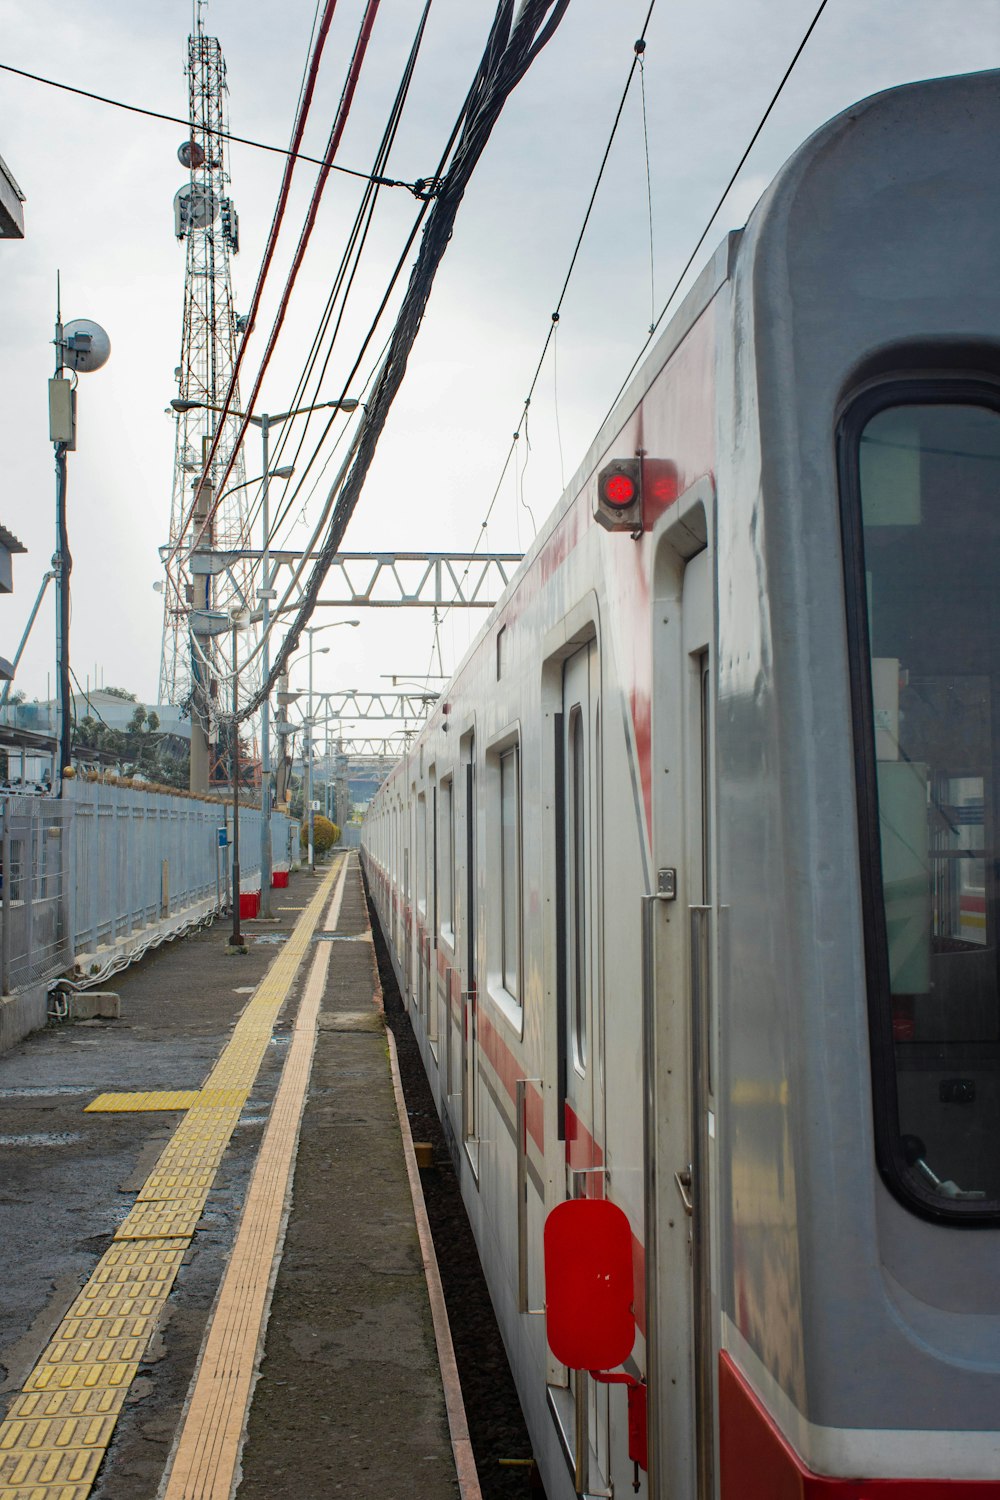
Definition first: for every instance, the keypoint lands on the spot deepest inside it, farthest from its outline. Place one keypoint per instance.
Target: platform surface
(215, 1274)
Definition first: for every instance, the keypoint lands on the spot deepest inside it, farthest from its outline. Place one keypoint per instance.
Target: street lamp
(310, 631)
(236, 943)
(265, 421)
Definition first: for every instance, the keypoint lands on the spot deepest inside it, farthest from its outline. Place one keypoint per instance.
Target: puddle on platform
(41, 1091)
(270, 937)
(42, 1138)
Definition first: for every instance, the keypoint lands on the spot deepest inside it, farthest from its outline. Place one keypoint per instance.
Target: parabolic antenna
(190, 155)
(194, 208)
(86, 346)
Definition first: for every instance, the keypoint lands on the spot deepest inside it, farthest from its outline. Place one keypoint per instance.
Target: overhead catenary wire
(718, 207)
(513, 44)
(638, 50)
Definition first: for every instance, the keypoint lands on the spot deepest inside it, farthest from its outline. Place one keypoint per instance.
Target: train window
(446, 859)
(921, 471)
(421, 881)
(578, 862)
(510, 872)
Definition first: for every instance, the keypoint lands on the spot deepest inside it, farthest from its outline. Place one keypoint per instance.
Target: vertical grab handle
(581, 1457)
(467, 998)
(701, 1089)
(522, 1191)
(6, 875)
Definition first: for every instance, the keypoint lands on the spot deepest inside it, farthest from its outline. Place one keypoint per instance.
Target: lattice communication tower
(204, 217)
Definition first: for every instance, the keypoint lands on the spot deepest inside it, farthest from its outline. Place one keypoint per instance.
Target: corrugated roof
(10, 541)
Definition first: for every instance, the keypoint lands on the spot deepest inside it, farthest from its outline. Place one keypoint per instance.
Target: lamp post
(265, 421)
(322, 651)
(310, 631)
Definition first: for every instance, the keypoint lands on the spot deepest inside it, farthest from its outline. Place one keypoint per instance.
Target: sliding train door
(679, 1061)
(581, 1061)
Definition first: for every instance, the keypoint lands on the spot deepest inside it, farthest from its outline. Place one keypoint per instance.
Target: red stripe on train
(505, 1066)
(758, 1463)
(582, 1152)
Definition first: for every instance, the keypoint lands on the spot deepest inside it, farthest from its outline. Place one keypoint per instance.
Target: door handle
(683, 1181)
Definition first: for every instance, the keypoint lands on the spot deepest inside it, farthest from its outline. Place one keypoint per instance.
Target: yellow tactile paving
(70, 1377)
(76, 1466)
(206, 1459)
(45, 1492)
(174, 1183)
(152, 1221)
(55, 1434)
(117, 1104)
(102, 1403)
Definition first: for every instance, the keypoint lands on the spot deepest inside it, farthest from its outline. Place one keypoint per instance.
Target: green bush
(325, 834)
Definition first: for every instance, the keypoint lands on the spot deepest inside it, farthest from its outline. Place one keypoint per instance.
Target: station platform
(218, 1276)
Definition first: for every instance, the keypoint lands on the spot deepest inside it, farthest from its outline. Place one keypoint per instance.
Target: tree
(139, 750)
(325, 834)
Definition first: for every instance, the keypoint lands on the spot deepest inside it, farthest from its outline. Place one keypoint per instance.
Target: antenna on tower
(196, 589)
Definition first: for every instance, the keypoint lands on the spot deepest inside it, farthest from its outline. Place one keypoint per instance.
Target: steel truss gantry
(350, 704)
(386, 580)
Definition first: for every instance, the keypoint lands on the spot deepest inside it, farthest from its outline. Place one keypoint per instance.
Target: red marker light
(619, 489)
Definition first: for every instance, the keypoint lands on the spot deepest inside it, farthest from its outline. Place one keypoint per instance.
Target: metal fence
(35, 941)
(114, 868)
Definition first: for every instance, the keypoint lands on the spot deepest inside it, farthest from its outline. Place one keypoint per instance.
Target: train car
(691, 879)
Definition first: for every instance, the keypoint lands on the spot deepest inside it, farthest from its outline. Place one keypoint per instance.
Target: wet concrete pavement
(350, 1354)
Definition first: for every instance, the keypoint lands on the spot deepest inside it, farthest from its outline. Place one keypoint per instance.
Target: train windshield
(922, 531)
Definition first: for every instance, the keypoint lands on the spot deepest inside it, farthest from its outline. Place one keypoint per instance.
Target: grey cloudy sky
(99, 185)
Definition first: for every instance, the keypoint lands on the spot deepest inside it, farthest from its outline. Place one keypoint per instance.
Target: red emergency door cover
(589, 1284)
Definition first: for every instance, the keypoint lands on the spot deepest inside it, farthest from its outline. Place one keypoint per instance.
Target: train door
(581, 1019)
(421, 904)
(680, 1299)
(470, 1050)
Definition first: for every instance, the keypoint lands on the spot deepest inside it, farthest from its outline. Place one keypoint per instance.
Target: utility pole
(265, 716)
(236, 943)
(81, 346)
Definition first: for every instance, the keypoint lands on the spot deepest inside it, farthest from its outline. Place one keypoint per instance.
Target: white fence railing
(109, 869)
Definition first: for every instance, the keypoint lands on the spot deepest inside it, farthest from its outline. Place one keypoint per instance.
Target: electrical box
(62, 412)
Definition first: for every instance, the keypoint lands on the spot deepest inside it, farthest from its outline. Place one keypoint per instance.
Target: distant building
(11, 198)
(9, 545)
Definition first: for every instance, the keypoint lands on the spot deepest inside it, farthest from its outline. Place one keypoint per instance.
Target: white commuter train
(691, 879)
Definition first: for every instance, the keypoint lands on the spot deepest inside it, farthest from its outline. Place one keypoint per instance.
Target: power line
(340, 120)
(417, 188)
(342, 285)
(513, 44)
(638, 50)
